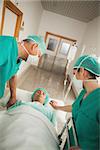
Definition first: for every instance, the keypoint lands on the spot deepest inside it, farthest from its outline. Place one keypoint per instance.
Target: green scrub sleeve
(8, 60)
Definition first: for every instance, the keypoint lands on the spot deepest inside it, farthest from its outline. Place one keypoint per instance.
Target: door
(57, 51)
(60, 60)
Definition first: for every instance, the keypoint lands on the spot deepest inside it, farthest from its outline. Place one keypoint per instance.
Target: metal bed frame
(69, 123)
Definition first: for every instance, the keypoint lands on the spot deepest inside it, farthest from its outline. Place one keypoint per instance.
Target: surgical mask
(33, 60)
(78, 83)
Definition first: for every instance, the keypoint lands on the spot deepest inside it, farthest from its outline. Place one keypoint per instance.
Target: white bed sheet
(26, 129)
(26, 96)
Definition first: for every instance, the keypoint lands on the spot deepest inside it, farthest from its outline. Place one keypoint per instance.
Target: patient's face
(39, 96)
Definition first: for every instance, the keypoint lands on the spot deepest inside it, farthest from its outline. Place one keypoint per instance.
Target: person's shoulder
(96, 94)
(7, 37)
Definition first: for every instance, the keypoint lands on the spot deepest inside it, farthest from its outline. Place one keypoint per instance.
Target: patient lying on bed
(40, 102)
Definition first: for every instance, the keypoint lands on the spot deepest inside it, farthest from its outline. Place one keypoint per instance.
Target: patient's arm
(67, 108)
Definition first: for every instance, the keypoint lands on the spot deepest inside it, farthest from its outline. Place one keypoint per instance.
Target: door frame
(8, 4)
(56, 52)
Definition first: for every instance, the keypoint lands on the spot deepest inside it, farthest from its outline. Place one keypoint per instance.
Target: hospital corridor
(49, 75)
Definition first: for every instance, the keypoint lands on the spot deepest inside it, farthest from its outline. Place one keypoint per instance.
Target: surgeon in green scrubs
(86, 108)
(11, 54)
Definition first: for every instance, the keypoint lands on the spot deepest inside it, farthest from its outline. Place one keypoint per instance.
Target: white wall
(61, 25)
(98, 48)
(32, 11)
(91, 37)
(1, 3)
(64, 26)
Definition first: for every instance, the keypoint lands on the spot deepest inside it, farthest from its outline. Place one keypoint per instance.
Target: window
(58, 46)
(64, 48)
(52, 44)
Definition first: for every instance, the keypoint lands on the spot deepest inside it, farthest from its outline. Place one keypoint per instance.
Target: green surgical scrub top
(8, 60)
(86, 115)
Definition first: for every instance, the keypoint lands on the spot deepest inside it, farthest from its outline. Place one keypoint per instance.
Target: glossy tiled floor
(53, 83)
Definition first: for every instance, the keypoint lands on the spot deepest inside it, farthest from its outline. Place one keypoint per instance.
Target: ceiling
(82, 10)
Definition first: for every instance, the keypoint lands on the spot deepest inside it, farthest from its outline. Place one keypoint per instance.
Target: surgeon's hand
(11, 102)
(54, 104)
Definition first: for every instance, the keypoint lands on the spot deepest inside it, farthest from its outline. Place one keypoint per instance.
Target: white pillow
(23, 95)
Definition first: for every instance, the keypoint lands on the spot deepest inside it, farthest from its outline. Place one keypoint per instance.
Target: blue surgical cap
(44, 90)
(89, 63)
(39, 40)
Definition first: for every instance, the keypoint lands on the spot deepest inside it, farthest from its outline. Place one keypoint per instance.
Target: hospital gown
(46, 109)
(86, 114)
(8, 60)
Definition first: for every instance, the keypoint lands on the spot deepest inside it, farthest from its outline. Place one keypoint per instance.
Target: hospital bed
(28, 129)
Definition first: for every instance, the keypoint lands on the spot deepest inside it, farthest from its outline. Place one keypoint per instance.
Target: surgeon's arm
(12, 84)
(67, 108)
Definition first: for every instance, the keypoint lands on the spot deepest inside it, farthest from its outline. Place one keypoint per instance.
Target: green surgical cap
(89, 63)
(44, 90)
(39, 40)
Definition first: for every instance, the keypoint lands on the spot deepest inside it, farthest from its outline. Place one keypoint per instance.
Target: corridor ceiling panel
(85, 10)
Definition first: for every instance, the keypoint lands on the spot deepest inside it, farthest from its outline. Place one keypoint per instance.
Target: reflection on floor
(53, 83)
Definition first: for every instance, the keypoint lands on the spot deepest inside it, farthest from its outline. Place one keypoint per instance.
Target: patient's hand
(11, 102)
(54, 104)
